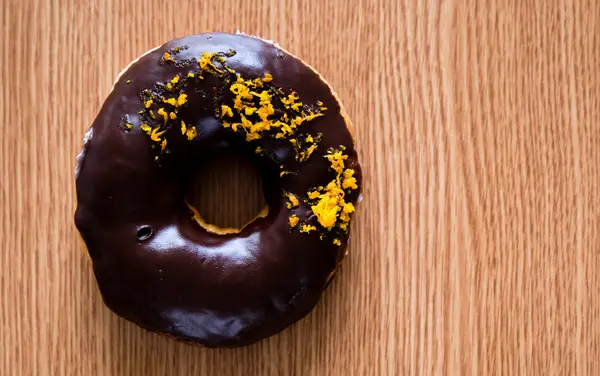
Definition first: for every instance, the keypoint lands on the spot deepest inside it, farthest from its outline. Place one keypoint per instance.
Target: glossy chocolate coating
(217, 290)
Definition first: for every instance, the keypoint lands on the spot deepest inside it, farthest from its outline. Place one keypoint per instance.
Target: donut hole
(144, 233)
(227, 192)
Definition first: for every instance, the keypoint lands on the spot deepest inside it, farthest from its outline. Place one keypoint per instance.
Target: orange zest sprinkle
(293, 220)
(155, 135)
(206, 63)
(181, 100)
(161, 111)
(146, 128)
(191, 133)
(170, 85)
(314, 194)
(331, 208)
(349, 179)
(226, 111)
(307, 228)
(293, 200)
(167, 58)
(183, 128)
(171, 101)
(247, 93)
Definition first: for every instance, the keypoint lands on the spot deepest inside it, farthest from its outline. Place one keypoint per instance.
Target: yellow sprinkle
(183, 127)
(290, 99)
(258, 150)
(349, 180)
(326, 210)
(311, 149)
(172, 116)
(268, 77)
(163, 145)
(310, 139)
(146, 128)
(148, 103)
(191, 133)
(190, 75)
(205, 62)
(161, 111)
(321, 106)
(314, 194)
(167, 57)
(155, 135)
(205, 59)
(336, 158)
(128, 125)
(170, 101)
(293, 220)
(307, 228)
(182, 99)
(238, 104)
(256, 83)
(226, 110)
(173, 82)
(337, 242)
(293, 200)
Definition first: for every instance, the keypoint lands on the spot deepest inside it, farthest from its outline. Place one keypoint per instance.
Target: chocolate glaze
(182, 280)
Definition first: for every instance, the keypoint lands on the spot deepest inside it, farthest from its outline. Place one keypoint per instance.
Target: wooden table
(476, 250)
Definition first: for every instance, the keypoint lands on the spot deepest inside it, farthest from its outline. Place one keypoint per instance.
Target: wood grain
(475, 251)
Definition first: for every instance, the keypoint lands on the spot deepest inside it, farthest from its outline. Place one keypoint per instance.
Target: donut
(157, 262)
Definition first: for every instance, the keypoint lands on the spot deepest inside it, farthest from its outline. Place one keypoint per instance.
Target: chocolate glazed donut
(157, 263)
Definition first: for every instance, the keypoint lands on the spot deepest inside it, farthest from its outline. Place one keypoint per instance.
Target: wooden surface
(476, 250)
